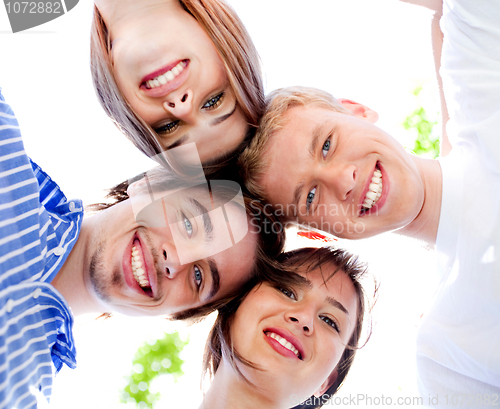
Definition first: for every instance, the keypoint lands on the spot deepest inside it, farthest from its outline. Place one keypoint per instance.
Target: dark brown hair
(219, 341)
(270, 241)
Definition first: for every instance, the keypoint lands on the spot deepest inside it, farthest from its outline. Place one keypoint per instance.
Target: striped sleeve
(38, 228)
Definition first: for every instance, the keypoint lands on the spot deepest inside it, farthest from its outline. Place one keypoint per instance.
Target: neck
(425, 225)
(70, 281)
(229, 390)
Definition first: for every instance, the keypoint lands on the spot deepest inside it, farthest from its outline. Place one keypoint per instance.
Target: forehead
(213, 142)
(302, 126)
(299, 123)
(339, 285)
(325, 285)
(291, 152)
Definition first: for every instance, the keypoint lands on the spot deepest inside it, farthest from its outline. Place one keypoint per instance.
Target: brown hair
(270, 242)
(278, 102)
(219, 342)
(235, 48)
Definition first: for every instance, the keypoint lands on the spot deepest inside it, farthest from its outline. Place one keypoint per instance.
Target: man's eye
(198, 276)
(331, 323)
(326, 147)
(310, 198)
(214, 102)
(187, 225)
(167, 128)
(289, 293)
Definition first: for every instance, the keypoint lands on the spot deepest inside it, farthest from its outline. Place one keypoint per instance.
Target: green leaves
(155, 358)
(418, 122)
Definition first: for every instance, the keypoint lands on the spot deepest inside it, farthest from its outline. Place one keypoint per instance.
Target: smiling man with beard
(162, 247)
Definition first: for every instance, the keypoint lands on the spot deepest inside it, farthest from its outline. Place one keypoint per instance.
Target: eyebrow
(316, 134)
(178, 142)
(207, 221)
(214, 271)
(333, 302)
(214, 122)
(222, 118)
(297, 192)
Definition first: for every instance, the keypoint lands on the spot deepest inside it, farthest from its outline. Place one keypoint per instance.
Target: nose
(180, 105)
(343, 179)
(302, 317)
(170, 263)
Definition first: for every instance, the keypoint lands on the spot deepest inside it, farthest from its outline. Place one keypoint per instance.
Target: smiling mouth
(374, 191)
(139, 273)
(284, 343)
(166, 77)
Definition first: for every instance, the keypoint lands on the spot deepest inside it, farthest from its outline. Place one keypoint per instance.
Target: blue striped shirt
(38, 228)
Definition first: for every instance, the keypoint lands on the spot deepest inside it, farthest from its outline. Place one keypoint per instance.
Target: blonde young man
(323, 162)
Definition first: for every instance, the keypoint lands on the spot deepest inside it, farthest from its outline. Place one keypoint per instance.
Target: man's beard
(99, 277)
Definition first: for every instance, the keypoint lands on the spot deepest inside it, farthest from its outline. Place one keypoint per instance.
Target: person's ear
(360, 110)
(326, 385)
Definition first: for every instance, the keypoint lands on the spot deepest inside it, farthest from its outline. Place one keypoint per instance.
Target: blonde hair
(235, 48)
(278, 102)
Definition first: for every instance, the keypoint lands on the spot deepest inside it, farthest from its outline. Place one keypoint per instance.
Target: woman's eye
(310, 198)
(187, 225)
(289, 293)
(167, 128)
(198, 276)
(214, 102)
(331, 323)
(326, 147)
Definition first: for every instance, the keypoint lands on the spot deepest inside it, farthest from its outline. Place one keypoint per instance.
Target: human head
(316, 159)
(317, 267)
(232, 44)
(164, 233)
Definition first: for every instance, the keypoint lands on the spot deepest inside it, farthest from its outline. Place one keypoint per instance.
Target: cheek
(330, 348)
(243, 333)
(122, 65)
(213, 72)
(246, 325)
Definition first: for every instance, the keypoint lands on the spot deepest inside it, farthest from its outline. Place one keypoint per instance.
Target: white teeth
(162, 79)
(137, 270)
(283, 342)
(371, 195)
(375, 190)
(167, 76)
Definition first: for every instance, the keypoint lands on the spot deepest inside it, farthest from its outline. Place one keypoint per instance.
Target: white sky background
(374, 52)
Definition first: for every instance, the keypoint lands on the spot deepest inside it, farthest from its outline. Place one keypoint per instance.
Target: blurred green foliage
(426, 143)
(152, 359)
